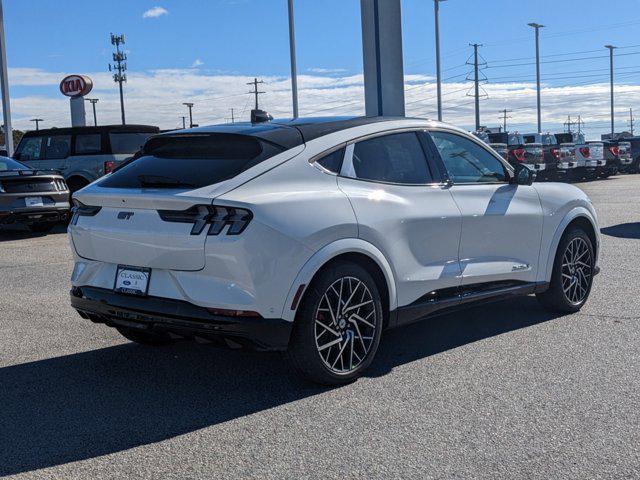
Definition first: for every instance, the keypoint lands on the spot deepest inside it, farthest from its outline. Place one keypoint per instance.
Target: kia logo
(76, 85)
(125, 215)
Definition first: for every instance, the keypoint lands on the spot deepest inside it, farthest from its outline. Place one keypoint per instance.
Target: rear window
(529, 139)
(9, 164)
(127, 143)
(191, 161)
(500, 137)
(564, 137)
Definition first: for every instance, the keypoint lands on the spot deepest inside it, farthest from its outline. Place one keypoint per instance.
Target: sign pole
(4, 83)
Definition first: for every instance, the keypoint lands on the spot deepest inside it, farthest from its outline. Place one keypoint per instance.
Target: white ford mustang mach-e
(313, 236)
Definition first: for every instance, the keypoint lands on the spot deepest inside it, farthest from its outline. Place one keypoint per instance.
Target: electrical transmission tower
(255, 91)
(504, 117)
(119, 67)
(570, 124)
(476, 81)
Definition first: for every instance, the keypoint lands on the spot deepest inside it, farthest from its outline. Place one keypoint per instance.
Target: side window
(128, 143)
(395, 158)
(88, 144)
(466, 161)
(30, 148)
(332, 161)
(57, 147)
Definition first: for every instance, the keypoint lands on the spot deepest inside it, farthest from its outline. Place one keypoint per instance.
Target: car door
(501, 222)
(403, 208)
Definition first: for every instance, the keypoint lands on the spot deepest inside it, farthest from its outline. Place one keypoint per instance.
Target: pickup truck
(574, 155)
(531, 155)
(597, 159)
(497, 141)
(612, 157)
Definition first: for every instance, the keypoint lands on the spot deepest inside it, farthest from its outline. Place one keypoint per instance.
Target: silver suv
(82, 154)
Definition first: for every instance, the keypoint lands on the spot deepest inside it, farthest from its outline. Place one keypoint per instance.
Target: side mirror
(523, 175)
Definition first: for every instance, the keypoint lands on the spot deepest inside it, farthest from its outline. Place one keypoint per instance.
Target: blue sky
(204, 51)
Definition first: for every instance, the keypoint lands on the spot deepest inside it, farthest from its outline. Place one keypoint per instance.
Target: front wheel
(572, 274)
(338, 326)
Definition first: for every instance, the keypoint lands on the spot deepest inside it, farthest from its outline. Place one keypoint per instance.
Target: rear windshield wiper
(160, 181)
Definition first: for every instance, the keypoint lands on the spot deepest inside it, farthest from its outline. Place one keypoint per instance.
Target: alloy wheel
(345, 325)
(577, 270)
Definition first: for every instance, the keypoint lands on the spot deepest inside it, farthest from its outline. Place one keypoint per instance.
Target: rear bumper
(34, 215)
(179, 318)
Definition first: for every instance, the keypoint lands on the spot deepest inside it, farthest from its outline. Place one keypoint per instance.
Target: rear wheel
(145, 337)
(338, 326)
(572, 274)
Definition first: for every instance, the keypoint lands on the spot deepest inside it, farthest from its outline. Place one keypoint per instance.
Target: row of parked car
(566, 156)
(49, 165)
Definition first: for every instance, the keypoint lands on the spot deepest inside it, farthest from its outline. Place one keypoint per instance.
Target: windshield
(9, 164)
(128, 143)
(191, 161)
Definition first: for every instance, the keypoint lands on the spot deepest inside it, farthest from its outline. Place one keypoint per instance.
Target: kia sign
(76, 85)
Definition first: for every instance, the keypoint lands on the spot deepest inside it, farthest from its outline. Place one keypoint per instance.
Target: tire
(572, 275)
(145, 337)
(41, 227)
(352, 342)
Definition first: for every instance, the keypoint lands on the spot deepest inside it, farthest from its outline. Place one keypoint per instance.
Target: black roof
(287, 133)
(98, 129)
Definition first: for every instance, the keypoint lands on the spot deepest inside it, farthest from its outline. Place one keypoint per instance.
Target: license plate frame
(138, 284)
(33, 202)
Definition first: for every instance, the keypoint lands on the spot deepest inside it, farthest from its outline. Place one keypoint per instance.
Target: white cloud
(197, 63)
(327, 71)
(155, 97)
(155, 12)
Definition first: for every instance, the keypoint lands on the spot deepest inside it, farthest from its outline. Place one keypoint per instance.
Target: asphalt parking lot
(500, 391)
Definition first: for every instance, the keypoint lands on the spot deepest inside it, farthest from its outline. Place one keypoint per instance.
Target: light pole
(292, 54)
(436, 10)
(93, 102)
(611, 49)
(4, 85)
(189, 106)
(37, 121)
(537, 27)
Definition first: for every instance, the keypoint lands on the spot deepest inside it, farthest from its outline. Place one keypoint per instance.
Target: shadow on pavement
(623, 230)
(84, 405)
(12, 233)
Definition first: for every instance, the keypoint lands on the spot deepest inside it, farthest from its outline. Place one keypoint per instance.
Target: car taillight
(217, 218)
(519, 154)
(109, 165)
(586, 153)
(60, 184)
(81, 210)
(615, 150)
(556, 153)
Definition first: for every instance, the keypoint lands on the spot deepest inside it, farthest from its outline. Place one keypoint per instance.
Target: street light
(436, 10)
(93, 102)
(537, 27)
(611, 49)
(189, 106)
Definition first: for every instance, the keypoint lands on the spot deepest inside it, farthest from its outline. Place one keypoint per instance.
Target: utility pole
(611, 49)
(631, 120)
(292, 55)
(569, 123)
(476, 82)
(233, 118)
(189, 105)
(119, 67)
(37, 120)
(580, 123)
(184, 120)
(436, 11)
(537, 27)
(4, 85)
(93, 102)
(504, 118)
(255, 91)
